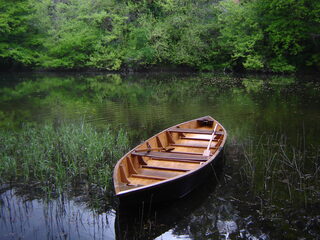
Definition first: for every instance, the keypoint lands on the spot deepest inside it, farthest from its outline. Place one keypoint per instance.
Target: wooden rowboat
(170, 164)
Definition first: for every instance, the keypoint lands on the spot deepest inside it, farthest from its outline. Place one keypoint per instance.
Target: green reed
(59, 156)
(279, 171)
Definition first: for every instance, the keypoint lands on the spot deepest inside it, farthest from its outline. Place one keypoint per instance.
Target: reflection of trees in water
(117, 98)
(23, 216)
(145, 103)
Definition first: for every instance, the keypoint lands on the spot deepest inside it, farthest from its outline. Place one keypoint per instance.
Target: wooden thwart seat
(165, 168)
(194, 131)
(197, 139)
(180, 160)
(171, 156)
(190, 130)
(191, 145)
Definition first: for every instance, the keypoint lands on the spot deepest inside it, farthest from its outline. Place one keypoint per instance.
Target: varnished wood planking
(171, 164)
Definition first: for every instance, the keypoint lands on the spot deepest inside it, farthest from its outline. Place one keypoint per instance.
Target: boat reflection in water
(149, 221)
(208, 212)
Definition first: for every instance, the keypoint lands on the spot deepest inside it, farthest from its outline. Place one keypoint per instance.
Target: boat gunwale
(153, 185)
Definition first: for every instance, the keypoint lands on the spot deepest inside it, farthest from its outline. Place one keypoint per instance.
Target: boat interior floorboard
(136, 180)
(129, 186)
(191, 153)
(187, 150)
(196, 139)
(179, 160)
(191, 130)
(138, 175)
(160, 168)
(164, 174)
(173, 164)
(191, 145)
(171, 156)
(197, 142)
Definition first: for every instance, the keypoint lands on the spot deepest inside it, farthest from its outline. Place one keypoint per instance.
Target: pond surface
(251, 108)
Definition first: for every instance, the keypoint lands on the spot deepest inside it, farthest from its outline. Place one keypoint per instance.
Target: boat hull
(170, 164)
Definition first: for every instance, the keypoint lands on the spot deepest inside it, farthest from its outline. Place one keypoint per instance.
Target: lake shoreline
(159, 69)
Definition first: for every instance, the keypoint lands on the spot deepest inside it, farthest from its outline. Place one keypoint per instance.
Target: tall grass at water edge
(280, 172)
(58, 156)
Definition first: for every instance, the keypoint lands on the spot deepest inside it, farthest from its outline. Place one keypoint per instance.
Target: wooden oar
(207, 152)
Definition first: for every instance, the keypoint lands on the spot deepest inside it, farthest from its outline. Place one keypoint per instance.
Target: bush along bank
(267, 35)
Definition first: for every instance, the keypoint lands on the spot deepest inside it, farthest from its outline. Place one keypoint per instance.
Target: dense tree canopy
(264, 35)
(18, 37)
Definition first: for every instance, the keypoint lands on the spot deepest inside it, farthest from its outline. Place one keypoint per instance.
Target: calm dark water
(144, 104)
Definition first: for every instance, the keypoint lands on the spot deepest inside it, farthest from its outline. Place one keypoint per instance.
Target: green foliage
(58, 156)
(16, 32)
(267, 35)
(138, 51)
(288, 27)
(73, 29)
(240, 36)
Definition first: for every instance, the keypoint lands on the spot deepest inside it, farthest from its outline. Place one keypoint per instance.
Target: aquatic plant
(57, 156)
(280, 171)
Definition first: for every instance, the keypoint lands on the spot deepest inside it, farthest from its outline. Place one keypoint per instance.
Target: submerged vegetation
(55, 157)
(267, 35)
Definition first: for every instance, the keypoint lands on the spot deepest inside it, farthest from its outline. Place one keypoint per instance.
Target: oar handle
(215, 128)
